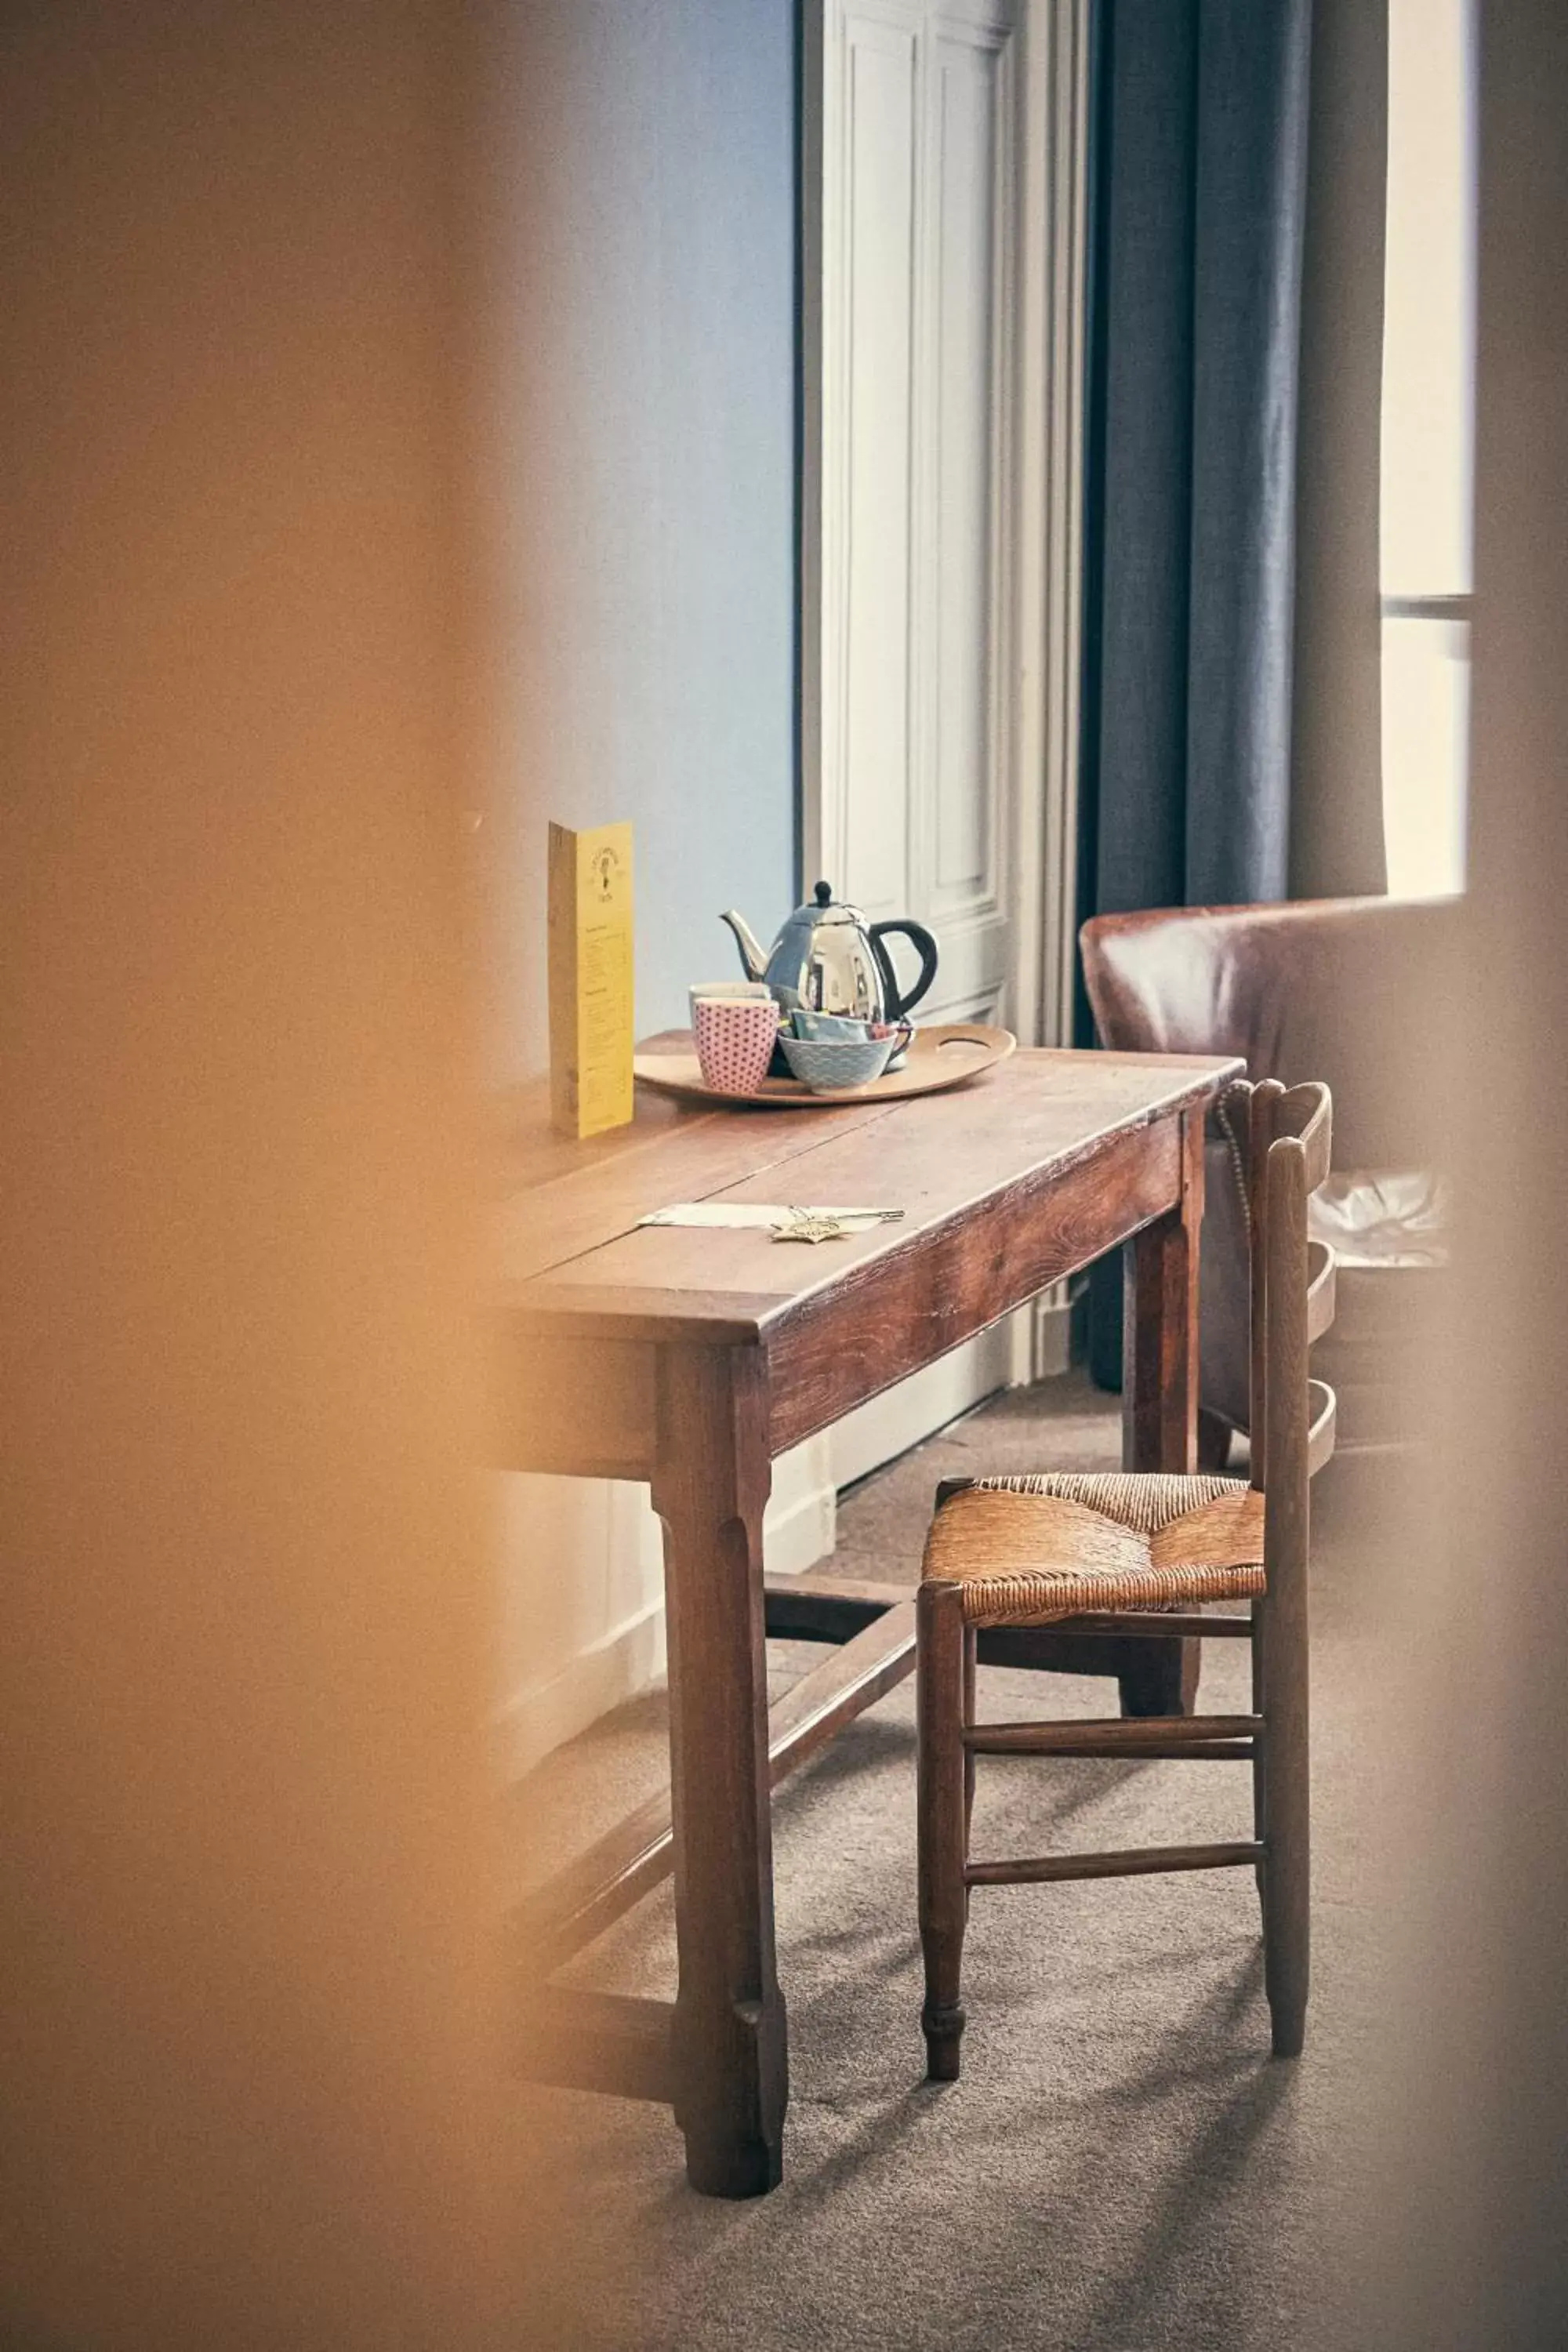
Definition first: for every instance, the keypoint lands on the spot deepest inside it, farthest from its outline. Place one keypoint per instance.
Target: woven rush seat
(1029, 1551)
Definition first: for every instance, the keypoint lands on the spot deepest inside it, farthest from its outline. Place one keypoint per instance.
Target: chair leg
(971, 1659)
(1214, 1440)
(1161, 1678)
(943, 1785)
(1286, 1870)
(1260, 1754)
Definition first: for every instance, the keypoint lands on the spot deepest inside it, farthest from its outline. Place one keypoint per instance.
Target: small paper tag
(766, 1216)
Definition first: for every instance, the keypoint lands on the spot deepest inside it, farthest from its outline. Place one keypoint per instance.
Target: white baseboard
(801, 1525)
(1057, 1329)
(802, 1535)
(799, 1528)
(610, 1670)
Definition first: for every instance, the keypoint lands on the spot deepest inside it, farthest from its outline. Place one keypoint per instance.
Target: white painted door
(908, 767)
(911, 197)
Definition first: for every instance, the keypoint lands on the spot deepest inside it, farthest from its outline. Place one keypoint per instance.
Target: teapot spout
(754, 960)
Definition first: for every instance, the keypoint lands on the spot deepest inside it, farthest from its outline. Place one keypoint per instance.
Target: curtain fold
(1202, 124)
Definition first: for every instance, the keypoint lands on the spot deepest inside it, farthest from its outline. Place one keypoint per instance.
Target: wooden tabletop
(573, 1257)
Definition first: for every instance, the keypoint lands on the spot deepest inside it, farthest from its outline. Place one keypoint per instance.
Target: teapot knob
(824, 893)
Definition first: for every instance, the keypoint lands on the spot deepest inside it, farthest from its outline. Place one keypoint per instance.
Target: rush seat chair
(1142, 1553)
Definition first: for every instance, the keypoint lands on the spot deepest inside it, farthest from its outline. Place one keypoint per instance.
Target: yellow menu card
(590, 978)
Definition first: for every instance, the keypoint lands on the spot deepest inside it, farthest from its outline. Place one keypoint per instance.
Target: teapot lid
(822, 907)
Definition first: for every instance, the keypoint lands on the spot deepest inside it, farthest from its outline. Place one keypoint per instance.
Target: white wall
(585, 1596)
(634, 412)
(638, 408)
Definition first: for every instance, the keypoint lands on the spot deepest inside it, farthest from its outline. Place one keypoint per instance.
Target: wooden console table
(689, 1357)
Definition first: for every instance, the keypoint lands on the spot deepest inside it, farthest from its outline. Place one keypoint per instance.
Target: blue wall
(638, 417)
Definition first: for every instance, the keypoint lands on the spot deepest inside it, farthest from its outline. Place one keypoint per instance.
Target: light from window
(1428, 432)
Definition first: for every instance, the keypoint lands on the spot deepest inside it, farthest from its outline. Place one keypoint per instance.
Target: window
(1429, 414)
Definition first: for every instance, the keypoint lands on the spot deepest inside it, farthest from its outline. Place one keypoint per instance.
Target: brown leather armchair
(1342, 989)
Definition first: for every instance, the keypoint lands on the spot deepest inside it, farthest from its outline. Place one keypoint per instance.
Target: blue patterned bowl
(828, 1064)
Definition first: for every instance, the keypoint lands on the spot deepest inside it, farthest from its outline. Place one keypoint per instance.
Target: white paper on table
(762, 1214)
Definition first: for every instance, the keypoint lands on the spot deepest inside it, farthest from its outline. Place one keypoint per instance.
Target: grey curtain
(1201, 124)
(1201, 182)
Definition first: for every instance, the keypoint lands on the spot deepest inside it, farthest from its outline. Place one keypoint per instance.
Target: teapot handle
(924, 946)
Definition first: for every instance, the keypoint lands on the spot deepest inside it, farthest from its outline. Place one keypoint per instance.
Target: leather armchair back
(1339, 988)
(1317, 988)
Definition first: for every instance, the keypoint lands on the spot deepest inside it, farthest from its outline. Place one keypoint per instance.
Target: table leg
(1160, 1395)
(710, 1487)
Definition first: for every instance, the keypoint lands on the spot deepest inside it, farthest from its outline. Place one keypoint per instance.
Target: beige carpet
(1122, 2166)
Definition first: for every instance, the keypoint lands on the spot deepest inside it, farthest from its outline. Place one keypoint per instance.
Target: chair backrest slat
(1284, 1140)
(1321, 1289)
(1291, 1307)
(1323, 1406)
(1307, 1113)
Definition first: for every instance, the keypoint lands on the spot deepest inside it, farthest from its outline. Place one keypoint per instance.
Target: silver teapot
(829, 958)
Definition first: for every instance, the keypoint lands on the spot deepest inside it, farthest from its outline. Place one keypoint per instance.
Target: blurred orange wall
(1472, 2221)
(249, 2030)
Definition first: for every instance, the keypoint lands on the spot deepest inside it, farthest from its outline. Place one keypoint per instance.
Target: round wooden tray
(948, 1054)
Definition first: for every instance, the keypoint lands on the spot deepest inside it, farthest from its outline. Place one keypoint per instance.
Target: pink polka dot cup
(735, 1040)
